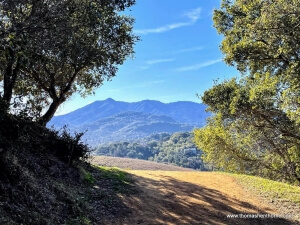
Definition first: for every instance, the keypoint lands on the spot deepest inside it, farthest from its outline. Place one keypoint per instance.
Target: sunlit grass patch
(113, 173)
(121, 181)
(273, 190)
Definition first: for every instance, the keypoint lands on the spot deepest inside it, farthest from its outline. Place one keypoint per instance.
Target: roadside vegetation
(272, 189)
(255, 127)
(45, 179)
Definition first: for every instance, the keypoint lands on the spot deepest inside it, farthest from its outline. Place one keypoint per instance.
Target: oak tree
(53, 49)
(255, 127)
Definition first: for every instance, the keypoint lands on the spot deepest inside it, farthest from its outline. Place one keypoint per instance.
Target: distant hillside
(111, 120)
(129, 126)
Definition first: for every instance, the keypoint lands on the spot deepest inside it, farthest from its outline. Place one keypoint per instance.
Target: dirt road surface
(173, 195)
(183, 197)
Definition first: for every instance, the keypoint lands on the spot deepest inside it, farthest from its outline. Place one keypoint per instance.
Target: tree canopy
(52, 49)
(255, 127)
(178, 149)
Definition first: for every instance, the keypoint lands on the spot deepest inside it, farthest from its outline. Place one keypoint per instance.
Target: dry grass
(134, 164)
(282, 195)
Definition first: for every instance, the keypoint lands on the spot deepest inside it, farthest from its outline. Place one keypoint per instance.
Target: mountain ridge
(100, 109)
(111, 120)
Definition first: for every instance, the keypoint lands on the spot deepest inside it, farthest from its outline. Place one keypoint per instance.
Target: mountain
(111, 120)
(182, 112)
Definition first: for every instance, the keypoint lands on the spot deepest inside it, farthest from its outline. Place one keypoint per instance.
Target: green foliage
(113, 173)
(261, 38)
(52, 49)
(177, 149)
(255, 127)
(68, 148)
(248, 132)
(86, 176)
(121, 182)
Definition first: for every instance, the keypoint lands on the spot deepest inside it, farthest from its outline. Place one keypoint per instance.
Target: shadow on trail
(172, 201)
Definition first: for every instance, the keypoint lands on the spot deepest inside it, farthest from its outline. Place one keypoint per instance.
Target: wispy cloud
(161, 29)
(193, 15)
(199, 66)
(188, 50)
(156, 61)
(144, 67)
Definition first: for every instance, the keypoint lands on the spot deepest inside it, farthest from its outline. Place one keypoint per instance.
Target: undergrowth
(120, 180)
(45, 179)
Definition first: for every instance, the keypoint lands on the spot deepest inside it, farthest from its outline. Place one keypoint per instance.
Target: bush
(67, 147)
(20, 133)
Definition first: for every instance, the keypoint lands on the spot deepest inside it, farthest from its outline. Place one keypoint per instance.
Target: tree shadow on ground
(171, 201)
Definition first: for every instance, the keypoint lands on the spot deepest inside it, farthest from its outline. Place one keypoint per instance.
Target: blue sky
(178, 55)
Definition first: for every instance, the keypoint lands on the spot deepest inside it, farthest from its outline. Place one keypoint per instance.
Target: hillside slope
(44, 179)
(129, 126)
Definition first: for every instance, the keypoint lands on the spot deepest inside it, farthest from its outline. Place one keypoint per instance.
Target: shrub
(18, 133)
(67, 147)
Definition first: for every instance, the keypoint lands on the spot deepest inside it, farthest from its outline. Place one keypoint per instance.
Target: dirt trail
(183, 197)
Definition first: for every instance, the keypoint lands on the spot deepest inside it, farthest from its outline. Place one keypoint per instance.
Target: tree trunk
(7, 81)
(294, 174)
(50, 112)
(10, 77)
(57, 100)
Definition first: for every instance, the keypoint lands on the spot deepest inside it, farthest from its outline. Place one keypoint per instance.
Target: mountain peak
(109, 100)
(151, 101)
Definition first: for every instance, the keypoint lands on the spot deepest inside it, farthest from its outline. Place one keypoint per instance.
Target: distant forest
(177, 149)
